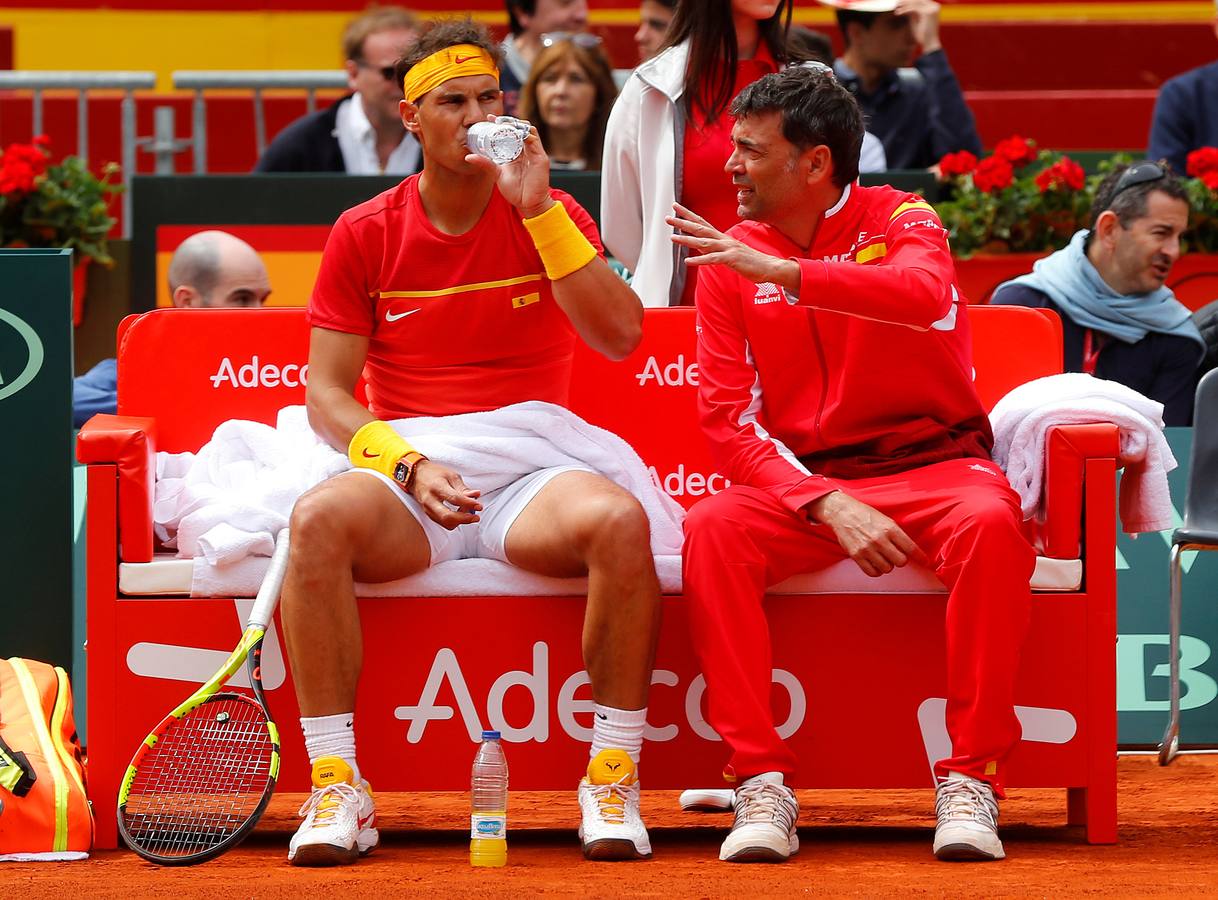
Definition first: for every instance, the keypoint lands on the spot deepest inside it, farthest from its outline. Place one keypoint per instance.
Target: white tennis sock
(331, 736)
(620, 728)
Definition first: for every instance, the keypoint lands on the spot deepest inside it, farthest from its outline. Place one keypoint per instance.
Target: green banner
(36, 454)
(1142, 625)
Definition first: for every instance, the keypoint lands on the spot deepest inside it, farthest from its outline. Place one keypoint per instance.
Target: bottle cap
(490, 735)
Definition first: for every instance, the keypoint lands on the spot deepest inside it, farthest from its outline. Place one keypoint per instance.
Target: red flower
(1065, 173)
(1210, 179)
(20, 165)
(1016, 150)
(993, 174)
(953, 164)
(1201, 161)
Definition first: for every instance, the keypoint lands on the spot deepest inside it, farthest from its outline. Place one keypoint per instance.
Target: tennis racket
(200, 781)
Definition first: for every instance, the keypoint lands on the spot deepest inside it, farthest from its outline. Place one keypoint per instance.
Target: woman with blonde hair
(568, 97)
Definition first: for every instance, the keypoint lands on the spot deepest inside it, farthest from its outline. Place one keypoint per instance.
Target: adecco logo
(33, 355)
(675, 374)
(254, 374)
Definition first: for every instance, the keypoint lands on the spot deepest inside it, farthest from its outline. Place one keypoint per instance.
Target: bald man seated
(209, 270)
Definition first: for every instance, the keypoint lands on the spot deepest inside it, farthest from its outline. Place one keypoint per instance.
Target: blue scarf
(1072, 282)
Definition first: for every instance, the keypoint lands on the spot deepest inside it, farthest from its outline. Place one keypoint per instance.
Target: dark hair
(804, 43)
(1131, 203)
(846, 16)
(374, 21)
(669, 4)
(594, 62)
(816, 109)
(710, 76)
(446, 33)
(528, 7)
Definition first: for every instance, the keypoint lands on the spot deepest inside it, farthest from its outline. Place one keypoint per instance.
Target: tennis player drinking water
(464, 288)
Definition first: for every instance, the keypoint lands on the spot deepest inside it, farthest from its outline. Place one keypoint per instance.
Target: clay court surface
(865, 844)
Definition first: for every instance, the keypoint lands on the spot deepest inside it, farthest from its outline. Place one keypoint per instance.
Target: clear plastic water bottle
(488, 807)
(500, 141)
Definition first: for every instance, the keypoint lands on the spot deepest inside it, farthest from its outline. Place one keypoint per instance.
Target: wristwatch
(404, 471)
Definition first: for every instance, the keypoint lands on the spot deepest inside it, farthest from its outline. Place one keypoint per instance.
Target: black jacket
(307, 145)
(1161, 366)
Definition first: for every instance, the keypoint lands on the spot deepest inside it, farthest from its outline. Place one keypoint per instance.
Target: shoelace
(323, 801)
(763, 801)
(611, 799)
(966, 799)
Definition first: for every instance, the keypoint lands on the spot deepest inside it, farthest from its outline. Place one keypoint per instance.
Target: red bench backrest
(193, 369)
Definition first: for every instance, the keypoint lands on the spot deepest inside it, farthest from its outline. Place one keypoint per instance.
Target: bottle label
(488, 826)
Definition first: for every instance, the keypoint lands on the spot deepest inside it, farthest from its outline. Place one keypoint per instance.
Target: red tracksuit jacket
(867, 372)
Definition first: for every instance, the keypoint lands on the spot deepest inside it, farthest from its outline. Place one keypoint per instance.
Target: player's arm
(336, 360)
(602, 308)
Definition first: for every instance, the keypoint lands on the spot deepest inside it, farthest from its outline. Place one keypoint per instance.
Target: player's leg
(737, 543)
(351, 527)
(578, 523)
(966, 518)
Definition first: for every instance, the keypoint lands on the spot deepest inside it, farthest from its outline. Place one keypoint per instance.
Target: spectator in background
(209, 270)
(568, 97)
(528, 20)
(654, 18)
(672, 117)
(805, 44)
(919, 113)
(1120, 322)
(361, 134)
(1186, 114)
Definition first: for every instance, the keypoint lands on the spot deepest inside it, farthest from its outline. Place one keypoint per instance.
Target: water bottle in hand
(488, 790)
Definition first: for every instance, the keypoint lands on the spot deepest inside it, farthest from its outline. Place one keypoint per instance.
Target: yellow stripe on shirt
(872, 251)
(459, 289)
(906, 207)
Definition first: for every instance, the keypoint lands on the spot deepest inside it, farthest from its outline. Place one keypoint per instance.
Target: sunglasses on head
(578, 38)
(386, 71)
(1138, 173)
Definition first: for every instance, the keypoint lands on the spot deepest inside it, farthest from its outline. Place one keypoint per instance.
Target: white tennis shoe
(340, 818)
(967, 829)
(764, 827)
(611, 827)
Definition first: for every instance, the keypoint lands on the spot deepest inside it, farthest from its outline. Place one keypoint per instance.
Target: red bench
(859, 669)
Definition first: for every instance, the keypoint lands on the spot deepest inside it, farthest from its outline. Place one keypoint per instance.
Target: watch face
(401, 472)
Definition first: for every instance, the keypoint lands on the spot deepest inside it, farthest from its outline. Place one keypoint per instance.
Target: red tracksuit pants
(965, 518)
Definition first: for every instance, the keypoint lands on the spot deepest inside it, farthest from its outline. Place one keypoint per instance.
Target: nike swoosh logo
(367, 455)
(602, 716)
(368, 820)
(463, 59)
(390, 317)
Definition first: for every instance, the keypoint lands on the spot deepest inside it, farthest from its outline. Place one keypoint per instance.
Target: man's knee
(319, 523)
(716, 515)
(617, 519)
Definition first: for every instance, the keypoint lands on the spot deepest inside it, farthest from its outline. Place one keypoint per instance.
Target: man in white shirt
(362, 134)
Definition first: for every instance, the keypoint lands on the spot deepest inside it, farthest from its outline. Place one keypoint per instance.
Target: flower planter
(1194, 277)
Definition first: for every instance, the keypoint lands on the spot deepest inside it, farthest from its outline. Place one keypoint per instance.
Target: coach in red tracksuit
(837, 394)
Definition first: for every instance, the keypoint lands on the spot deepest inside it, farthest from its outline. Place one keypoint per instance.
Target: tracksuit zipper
(824, 376)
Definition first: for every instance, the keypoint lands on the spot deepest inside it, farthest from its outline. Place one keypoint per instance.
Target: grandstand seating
(859, 661)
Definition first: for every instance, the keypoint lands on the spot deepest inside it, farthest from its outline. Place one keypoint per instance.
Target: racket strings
(202, 780)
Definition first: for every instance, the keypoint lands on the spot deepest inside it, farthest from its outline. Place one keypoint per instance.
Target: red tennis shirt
(456, 323)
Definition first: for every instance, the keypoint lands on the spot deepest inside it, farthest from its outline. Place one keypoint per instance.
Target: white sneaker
(707, 800)
(764, 827)
(340, 819)
(968, 820)
(611, 827)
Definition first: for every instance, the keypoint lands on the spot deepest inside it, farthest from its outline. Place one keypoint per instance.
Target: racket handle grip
(272, 584)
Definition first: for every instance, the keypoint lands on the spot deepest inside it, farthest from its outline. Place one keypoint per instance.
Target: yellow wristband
(377, 446)
(562, 246)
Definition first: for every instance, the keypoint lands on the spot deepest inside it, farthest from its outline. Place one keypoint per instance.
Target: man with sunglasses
(361, 134)
(1120, 321)
(529, 23)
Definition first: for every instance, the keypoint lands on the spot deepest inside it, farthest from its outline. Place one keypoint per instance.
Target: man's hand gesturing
(439, 489)
(714, 247)
(874, 541)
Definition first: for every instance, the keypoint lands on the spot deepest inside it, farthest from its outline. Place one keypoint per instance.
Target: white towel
(1023, 417)
(238, 490)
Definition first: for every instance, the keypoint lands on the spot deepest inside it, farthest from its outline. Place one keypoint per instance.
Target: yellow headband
(451, 62)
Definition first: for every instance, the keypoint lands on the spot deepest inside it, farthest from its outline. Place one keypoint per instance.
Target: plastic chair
(1199, 531)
